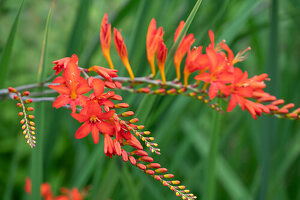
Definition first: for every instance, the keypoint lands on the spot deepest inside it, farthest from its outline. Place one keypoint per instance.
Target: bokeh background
(257, 159)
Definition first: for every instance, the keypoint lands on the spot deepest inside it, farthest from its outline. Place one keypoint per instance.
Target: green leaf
(180, 37)
(37, 165)
(78, 31)
(225, 174)
(6, 54)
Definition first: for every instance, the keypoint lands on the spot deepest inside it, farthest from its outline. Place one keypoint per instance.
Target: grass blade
(148, 101)
(6, 54)
(37, 152)
(75, 42)
(225, 174)
(210, 180)
(183, 32)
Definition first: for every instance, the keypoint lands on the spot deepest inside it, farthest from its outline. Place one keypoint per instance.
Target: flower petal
(83, 130)
(95, 134)
(61, 101)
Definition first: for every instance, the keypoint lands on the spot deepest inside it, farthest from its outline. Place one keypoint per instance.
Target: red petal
(79, 117)
(106, 115)
(203, 77)
(83, 130)
(213, 90)
(232, 103)
(95, 134)
(98, 86)
(83, 87)
(61, 101)
(60, 89)
(106, 128)
(59, 79)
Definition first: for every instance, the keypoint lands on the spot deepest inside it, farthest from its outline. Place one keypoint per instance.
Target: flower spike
(105, 39)
(28, 126)
(154, 36)
(161, 59)
(122, 51)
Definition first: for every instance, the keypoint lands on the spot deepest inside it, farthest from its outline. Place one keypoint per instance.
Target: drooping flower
(122, 51)
(105, 39)
(154, 36)
(161, 59)
(243, 88)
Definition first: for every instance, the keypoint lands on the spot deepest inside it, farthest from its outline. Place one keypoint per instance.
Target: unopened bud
(30, 109)
(12, 90)
(21, 114)
(28, 101)
(121, 105)
(141, 166)
(161, 170)
(127, 114)
(134, 120)
(26, 93)
(16, 97)
(132, 160)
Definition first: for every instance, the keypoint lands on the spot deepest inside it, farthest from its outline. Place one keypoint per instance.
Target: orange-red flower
(182, 49)
(154, 36)
(47, 194)
(94, 121)
(220, 71)
(105, 39)
(243, 88)
(122, 51)
(71, 86)
(161, 59)
(61, 64)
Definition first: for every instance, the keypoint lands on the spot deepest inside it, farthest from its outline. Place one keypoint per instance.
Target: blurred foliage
(257, 159)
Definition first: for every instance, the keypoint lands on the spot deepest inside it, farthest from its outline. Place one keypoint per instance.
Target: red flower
(194, 61)
(219, 74)
(122, 51)
(61, 64)
(94, 121)
(71, 86)
(154, 36)
(243, 88)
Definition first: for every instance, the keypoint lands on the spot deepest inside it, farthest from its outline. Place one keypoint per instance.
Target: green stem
(210, 179)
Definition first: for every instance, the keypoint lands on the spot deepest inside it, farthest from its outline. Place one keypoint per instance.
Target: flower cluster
(47, 194)
(93, 104)
(214, 72)
(28, 126)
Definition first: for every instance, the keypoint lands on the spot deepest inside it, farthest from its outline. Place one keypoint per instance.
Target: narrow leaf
(6, 54)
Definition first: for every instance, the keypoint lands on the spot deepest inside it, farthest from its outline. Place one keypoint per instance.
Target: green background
(257, 159)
